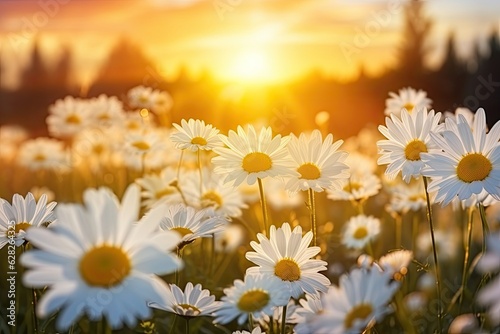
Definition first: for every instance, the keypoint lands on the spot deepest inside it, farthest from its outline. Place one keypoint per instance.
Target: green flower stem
(399, 219)
(200, 171)
(434, 251)
(312, 208)
(466, 256)
(250, 322)
(283, 320)
(263, 205)
(486, 229)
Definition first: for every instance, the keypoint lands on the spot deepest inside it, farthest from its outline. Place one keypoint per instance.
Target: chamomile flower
(309, 307)
(161, 102)
(68, 117)
(396, 263)
(360, 230)
(190, 223)
(318, 163)
(286, 255)
(408, 197)
(249, 156)
(256, 295)
(159, 188)
(358, 302)
(22, 214)
(141, 97)
(467, 162)
(409, 99)
(256, 330)
(223, 198)
(43, 154)
(97, 255)
(106, 110)
(356, 188)
(407, 138)
(194, 135)
(192, 302)
(466, 112)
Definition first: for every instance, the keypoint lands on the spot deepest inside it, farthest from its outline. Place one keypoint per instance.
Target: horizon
(242, 43)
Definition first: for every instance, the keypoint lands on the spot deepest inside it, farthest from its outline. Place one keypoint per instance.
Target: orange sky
(246, 40)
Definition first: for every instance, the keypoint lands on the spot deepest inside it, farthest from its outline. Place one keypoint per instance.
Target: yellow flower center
(474, 167)
(211, 198)
(398, 276)
(360, 312)
(164, 192)
(199, 141)
(256, 162)
(141, 145)
(309, 171)
(133, 125)
(104, 266)
(98, 149)
(360, 233)
(39, 157)
(73, 119)
(104, 117)
(287, 270)
(409, 106)
(253, 300)
(182, 231)
(352, 186)
(414, 148)
(189, 307)
(22, 226)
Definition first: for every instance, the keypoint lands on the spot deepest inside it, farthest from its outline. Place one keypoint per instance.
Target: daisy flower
(408, 197)
(467, 162)
(141, 97)
(22, 214)
(92, 148)
(407, 138)
(192, 302)
(279, 198)
(106, 110)
(396, 263)
(38, 192)
(194, 135)
(409, 99)
(256, 295)
(286, 255)
(159, 188)
(466, 112)
(43, 154)
(223, 198)
(249, 156)
(161, 102)
(318, 163)
(190, 223)
(96, 260)
(142, 149)
(359, 301)
(68, 117)
(360, 230)
(309, 307)
(230, 238)
(489, 295)
(356, 188)
(256, 330)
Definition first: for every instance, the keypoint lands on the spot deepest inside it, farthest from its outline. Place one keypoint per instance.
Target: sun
(251, 66)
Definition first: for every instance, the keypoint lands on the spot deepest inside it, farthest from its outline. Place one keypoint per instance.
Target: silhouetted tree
(35, 75)
(413, 48)
(125, 68)
(448, 81)
(61, 76)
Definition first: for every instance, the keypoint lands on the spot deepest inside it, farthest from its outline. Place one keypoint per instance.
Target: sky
(237, 40)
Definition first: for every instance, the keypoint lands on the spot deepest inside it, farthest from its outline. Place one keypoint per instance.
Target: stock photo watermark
(364, 36)
(30, 25)
(222, 7)
(11, 274)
